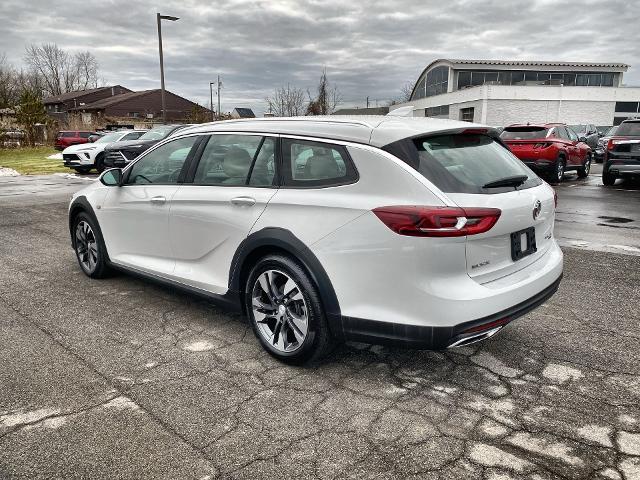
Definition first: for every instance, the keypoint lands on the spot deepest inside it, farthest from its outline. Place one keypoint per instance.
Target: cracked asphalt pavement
(121, 378)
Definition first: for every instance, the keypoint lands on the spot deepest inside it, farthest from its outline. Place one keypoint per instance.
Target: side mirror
(111, 177)
(582, 139)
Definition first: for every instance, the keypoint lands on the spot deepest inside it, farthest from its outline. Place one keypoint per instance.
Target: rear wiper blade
(514, 181)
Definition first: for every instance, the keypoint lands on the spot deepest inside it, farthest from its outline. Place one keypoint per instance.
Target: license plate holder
(526, 237)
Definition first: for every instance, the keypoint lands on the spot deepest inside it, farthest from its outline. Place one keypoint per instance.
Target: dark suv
(622, 155)
(118, 154)
(589, 132)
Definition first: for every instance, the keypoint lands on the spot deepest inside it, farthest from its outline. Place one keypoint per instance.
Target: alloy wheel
(560, 170)
(280, 311)
(86, 246)
(587, 164)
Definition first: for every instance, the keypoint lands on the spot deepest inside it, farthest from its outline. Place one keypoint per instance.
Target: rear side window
(85, 134)
(629, 129)
(463, 163)
(229, 160)
(68, 134)
(524, 133)
(316, 164)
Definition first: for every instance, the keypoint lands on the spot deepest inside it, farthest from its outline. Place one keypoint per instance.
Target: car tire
(100, 163)
(557, 174)
(608, 179)
(82, 170)
(89, 246)
(285, 311)
(583, 172)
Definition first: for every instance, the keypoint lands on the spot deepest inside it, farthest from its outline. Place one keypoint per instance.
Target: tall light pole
(159, 18)
(219, 85)
(211, 99)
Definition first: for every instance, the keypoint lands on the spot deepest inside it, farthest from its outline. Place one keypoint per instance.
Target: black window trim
(315, 184)
(206, 136)
(183, 171)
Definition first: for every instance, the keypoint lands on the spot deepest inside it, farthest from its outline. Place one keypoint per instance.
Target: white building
(499, 93)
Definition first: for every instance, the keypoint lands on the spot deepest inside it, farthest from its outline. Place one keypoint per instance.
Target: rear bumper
(622, 166)
(540, 166)
(439, 338)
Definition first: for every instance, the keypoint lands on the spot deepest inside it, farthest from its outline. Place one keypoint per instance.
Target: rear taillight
(487, 326)
(418, 221)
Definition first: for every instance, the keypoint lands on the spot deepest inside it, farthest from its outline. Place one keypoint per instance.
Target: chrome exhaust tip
(478, 337)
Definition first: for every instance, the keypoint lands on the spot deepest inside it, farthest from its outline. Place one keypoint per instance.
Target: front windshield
(157, 133)
(109, 137)
(578, 128)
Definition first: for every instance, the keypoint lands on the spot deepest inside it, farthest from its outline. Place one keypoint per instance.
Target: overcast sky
(369, 48)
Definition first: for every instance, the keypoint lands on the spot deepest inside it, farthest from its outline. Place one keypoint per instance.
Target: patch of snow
(561, 373)
(626, 248)
(610, 473)
(122, 403)
(545, 447)
(8, 172)
(491, 456)
(198, 346)
(22, 417)
(491, 363)
(630, 467)
(597, 434)
(629, 443)
(52, 423)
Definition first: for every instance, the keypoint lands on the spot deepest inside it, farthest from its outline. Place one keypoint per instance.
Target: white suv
(85, 156)
(418, 232)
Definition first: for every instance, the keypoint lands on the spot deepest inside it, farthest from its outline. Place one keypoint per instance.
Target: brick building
(146, 104)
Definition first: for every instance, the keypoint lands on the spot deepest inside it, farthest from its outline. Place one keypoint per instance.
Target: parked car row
(101, 150)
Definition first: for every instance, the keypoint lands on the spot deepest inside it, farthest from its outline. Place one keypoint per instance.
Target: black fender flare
(284, 240)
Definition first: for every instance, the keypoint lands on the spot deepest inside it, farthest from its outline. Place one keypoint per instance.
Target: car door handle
(158, 200)
(243, 201)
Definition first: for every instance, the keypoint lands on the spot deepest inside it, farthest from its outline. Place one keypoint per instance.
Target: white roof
(371, 130)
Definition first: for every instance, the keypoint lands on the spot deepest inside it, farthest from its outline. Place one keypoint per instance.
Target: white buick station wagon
(407, 231)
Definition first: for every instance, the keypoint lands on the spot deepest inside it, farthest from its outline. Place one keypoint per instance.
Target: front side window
(315, 164)
(162, 165)
(463, 163)
(227, 160)
(132, 136)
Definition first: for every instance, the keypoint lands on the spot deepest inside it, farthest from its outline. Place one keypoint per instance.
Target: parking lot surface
(121, 378)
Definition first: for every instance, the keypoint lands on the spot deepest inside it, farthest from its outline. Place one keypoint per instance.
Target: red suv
(550, 149)
(66, 138)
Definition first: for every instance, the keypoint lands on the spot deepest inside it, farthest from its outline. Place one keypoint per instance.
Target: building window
(442, 110)
(627, 107)
(466, 114)
(464, 80)
(134, 114)
(607, 79)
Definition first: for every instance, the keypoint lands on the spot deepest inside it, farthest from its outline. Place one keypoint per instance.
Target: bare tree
(9, 91)
(59, 71)
(405, 92)
(327, 99)
(287, 102)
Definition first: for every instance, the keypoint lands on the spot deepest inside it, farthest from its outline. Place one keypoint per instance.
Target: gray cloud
(370, 48)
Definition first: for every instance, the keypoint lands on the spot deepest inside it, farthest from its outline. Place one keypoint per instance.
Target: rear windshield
(628, 129)
(524, 133)
(463, 163)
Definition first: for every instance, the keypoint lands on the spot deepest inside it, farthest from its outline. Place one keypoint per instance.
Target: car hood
(132, 144)
(81, 147)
